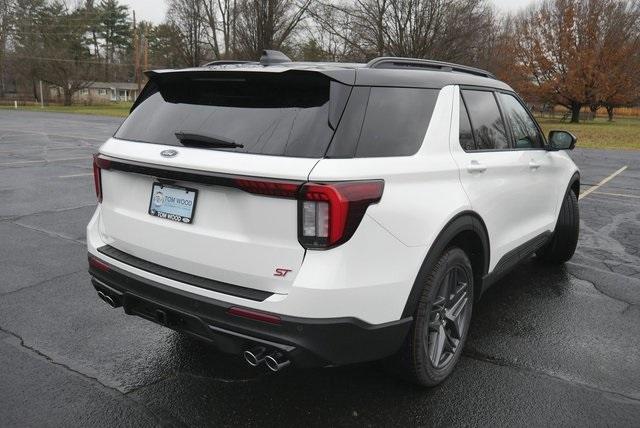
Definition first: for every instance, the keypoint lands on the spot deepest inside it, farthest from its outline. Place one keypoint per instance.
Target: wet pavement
(549, 345)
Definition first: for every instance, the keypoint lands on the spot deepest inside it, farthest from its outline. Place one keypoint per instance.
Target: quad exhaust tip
(107, 299)
(276, 361)
(255, 356)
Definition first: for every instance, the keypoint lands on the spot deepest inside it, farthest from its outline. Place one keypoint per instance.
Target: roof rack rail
(398, 62)
(226, 62)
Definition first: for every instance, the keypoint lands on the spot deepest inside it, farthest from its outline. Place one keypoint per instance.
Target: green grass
(111, 109)
(622, 133)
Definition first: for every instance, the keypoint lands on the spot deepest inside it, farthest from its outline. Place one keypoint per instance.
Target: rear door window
(283, 114)
(395, 121)
(486, 121)
(525, 131)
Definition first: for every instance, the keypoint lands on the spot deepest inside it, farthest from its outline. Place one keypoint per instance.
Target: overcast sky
(154, 10)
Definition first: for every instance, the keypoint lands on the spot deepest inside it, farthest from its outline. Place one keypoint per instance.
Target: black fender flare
(466, 221)
(574, 178)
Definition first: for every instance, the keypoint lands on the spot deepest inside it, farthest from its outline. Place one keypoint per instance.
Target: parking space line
(41, 148)
(43, 161)
(602, 183)
(49, 134)
(90, 174)
(622, 195)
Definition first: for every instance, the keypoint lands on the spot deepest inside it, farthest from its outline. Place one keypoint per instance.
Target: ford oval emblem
(168, 153)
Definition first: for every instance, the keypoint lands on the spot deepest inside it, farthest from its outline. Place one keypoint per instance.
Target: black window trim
(507, 128)
(473, 134)
(364, 116)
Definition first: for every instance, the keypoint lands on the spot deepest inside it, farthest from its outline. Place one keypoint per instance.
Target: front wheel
(441, 321)
(565, 237)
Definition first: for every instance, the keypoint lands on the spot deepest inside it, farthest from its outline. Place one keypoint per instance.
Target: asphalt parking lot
(549, 345)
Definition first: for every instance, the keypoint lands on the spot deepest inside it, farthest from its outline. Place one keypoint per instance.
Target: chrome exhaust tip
(107, 299)
(276, 361)
(255, 356)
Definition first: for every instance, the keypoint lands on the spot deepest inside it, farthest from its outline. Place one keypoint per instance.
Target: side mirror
(561, 140)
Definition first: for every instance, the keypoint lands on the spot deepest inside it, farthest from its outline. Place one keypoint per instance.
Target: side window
(524, 129)
(488, 127)
(466, 134)
(396, 121)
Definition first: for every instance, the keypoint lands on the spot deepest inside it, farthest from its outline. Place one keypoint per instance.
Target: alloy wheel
(448, 318)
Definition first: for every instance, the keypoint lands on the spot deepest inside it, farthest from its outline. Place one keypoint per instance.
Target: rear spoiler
(158, 77)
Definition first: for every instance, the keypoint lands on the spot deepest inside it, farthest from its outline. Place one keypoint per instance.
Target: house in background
(100, 92)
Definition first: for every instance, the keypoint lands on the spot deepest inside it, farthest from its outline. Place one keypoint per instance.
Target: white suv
(322, 213)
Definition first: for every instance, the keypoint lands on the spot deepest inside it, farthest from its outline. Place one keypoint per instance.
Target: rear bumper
(306, 341)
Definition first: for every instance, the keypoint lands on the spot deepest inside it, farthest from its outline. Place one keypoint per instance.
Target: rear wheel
(565, 237)
(441, 321)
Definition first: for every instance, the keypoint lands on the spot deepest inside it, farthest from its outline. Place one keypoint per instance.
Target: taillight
(98, 165)
(282, 189)
(329, 213)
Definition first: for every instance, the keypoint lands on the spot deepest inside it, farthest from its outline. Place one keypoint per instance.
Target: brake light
(282, 189)
(329, 213)
(98, 165)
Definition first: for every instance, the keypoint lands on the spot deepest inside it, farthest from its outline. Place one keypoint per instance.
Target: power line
(73, 18)
(48, 33)
(121, 64)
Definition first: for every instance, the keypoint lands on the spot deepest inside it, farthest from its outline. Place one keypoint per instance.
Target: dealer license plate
(173, 202)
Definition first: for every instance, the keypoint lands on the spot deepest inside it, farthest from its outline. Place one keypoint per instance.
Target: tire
(417, 355)
(565, 237)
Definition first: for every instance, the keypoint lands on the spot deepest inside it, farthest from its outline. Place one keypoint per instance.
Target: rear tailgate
(236, 236)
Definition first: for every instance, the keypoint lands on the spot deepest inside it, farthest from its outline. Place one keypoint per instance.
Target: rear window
(284, 114)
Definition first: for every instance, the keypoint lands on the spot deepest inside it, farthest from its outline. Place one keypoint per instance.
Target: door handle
(476, 167)
(534, 165)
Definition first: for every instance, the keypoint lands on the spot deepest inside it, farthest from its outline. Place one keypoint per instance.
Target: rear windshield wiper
(197, 140)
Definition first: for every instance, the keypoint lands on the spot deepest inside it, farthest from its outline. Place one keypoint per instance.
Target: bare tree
(332, 28)
(267, 24)
(213, 26)
(437, 29)
(187, 18)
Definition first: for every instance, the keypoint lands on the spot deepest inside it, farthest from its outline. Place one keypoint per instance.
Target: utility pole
(41, 96)
(136, 56)
(146, 47)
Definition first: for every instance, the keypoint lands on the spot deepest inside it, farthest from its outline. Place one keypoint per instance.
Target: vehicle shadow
(212, 386)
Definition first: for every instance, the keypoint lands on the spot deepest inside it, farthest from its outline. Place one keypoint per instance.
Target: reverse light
(98, 165)
(329, 213)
